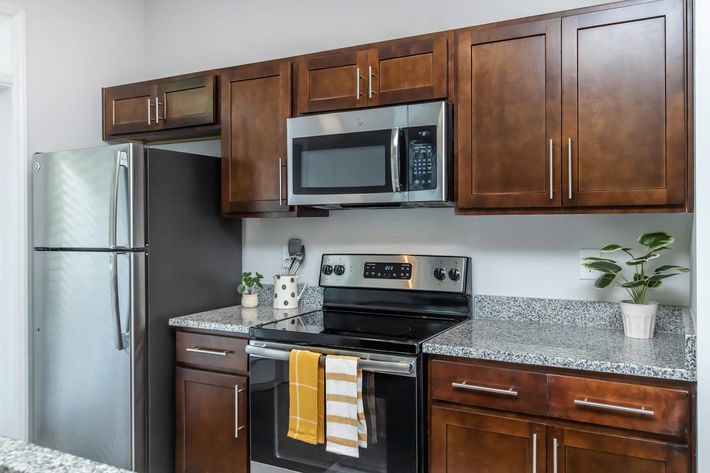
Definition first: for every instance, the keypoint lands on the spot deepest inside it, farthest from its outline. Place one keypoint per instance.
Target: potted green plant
(247, 288)
(639, 315)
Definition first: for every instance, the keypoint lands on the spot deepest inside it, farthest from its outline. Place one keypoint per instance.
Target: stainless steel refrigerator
(124, 238)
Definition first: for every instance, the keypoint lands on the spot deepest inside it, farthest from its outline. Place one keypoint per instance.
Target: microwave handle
(394, 160)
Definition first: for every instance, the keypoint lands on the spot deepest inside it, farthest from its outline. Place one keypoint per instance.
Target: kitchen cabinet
(392, 72)
(601, 128)
(183, 106)
(463, 441)
(212, 411)
(497, 417)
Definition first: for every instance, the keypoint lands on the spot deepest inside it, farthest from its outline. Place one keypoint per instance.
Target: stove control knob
(454, 274)
(440, 274)
(339, 269)
(327, 269)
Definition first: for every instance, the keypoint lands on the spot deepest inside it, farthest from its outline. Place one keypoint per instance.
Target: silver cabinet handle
(370, 92)
(237, 428)
(534, 455)
(611, 407)
(552, 195)
(149, 117)
(569, 168)
(157, 110)
(208, 351)
(472, 387)
(357, 84)
(394, 160)
(554, 455)
(280, 182)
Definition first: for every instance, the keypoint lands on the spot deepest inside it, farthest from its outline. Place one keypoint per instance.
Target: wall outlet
(585, 273)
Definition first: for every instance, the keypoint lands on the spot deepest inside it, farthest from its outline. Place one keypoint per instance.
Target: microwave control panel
(422, 158)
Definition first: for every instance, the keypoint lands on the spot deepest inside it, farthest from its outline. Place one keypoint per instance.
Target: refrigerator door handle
(121, 161)
(115, 307)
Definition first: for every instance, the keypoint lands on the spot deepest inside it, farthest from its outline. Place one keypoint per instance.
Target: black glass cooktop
(371, 331)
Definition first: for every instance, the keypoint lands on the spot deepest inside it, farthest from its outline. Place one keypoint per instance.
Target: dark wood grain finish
(207, 407)
(235, 359)
(408, 71)
(531, 387)
(463, 441)
(256, 101)
(671, 406)
(330, 82)
(623, 106)
(508, 110)
(187, 102)
(585, 452)
(127, 108)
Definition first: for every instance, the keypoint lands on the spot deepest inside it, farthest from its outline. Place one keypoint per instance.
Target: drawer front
(211, 351)
(484, 386)
(624, 405)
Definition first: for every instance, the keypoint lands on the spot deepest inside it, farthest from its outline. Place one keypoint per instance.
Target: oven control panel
(403, 272)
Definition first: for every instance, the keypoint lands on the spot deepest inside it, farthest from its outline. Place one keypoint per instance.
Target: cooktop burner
(387, 332)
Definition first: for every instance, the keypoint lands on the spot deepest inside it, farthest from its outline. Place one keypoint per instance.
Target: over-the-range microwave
(386, 157)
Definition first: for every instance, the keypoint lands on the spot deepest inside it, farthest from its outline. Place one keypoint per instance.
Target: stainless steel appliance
(392, 156)
(379, 308)
(124, 238)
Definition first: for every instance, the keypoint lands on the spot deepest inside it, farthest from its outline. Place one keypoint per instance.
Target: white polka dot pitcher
(286, 295)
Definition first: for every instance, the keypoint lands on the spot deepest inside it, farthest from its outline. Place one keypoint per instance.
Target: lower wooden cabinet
(463, 441)
(212, 413)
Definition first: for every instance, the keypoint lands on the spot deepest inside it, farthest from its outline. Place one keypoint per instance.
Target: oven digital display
(388, 271)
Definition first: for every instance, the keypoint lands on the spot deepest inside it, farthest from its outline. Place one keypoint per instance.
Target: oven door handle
(367, 365)
(394, 161)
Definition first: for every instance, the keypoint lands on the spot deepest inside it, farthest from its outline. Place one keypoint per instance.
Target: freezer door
(87, 358)
(89, 198)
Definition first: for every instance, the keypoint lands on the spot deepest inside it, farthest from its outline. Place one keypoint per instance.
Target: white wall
(702, 225)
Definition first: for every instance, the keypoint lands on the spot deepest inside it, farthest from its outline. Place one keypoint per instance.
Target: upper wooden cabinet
(583, 111)
(183, 107)
(393, 72)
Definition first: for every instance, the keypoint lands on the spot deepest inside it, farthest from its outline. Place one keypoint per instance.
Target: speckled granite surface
(239, 319)
(21, 457)
(570, 334)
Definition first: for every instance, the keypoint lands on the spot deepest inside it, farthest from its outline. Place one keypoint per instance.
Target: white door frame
(18, 226)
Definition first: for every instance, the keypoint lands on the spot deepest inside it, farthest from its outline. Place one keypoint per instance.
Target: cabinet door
(463, 441)
(623, 106)
(256, 101)
(129, 108)
(508, 116)
(408, 71)
(211, 434)
(187, 102)
(332, 82)
(574, 451)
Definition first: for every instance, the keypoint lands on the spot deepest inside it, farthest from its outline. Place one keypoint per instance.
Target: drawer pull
(485, 389)
(611, 407)
(206, 351)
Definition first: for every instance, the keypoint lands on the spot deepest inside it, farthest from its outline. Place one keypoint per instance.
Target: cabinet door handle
(569, 168)
(157, 111)
(534, 455)
(552, 195)
(370, 75)
(149, 117)
(611, 407)
(554, 455)
(237, 427)
(472, 387)
(208, 351)
(281, 198)
(357, 84)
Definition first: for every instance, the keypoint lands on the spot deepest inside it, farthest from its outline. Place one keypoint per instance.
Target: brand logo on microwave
(360, 121)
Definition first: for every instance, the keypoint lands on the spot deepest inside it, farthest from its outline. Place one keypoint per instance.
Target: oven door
(348, 158)
(392, 411)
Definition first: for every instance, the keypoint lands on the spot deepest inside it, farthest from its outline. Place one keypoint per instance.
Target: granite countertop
(238, 319)
(17, 456)
(530, 331)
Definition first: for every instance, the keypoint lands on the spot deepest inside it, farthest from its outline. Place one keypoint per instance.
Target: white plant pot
(250, 300)
(639, 319)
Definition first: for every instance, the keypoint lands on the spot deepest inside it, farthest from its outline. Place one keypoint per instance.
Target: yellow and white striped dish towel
(305, 387)
(345, 417)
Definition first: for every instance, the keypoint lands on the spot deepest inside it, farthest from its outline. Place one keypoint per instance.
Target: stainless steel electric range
(380, 308)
